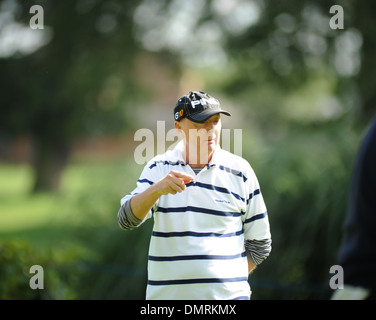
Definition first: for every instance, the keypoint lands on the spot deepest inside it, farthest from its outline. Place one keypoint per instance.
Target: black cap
(197, 106)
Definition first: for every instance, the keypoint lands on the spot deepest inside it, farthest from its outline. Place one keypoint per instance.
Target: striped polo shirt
(197, 246)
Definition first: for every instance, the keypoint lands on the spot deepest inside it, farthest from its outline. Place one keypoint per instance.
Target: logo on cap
(204, 102)
(179, 114)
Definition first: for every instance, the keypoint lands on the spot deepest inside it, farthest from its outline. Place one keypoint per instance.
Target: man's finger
(175, 179)
(175, 186)
(181, 175)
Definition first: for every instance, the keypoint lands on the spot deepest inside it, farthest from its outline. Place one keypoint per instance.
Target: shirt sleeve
(258, 250)
(126, 218)
(256, 225)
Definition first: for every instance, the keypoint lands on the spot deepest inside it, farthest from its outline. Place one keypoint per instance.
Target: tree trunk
(49, 160)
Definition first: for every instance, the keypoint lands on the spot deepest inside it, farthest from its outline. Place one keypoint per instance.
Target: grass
(75, 226)
(89, 193)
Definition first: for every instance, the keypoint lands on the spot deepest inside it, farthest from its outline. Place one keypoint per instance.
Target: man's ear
(179, 129)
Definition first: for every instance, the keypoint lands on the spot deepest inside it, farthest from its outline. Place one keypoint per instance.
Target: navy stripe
(195, 234)
(242, 298)
(182, 163)
(254, 193)
(197, 257)
(211, 187)
(256, 217)
(145, 181)
(233, 171)
(193, 281)
(199, 210)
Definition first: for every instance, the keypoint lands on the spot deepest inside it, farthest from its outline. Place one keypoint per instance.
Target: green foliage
(119, 272)
(73, 235)
(16, 259)
(76, 83)
(305, 177)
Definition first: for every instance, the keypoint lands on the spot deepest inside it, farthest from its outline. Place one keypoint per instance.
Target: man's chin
(211, 147)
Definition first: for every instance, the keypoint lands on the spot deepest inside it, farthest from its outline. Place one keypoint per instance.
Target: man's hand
(174, 182)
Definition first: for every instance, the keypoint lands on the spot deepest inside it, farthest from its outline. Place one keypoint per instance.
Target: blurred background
(73, 94)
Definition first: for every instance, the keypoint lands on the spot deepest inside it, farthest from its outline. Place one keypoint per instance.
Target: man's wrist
(155, 191)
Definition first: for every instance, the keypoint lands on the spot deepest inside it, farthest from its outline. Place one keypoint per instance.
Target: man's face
(200, 138)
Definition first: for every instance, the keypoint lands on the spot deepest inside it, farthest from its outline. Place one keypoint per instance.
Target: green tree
(74, 85)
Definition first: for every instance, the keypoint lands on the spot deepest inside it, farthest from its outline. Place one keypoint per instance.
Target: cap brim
(205, 115)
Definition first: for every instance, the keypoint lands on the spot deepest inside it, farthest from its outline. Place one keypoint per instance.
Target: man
(357, 255)
(211, 226)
